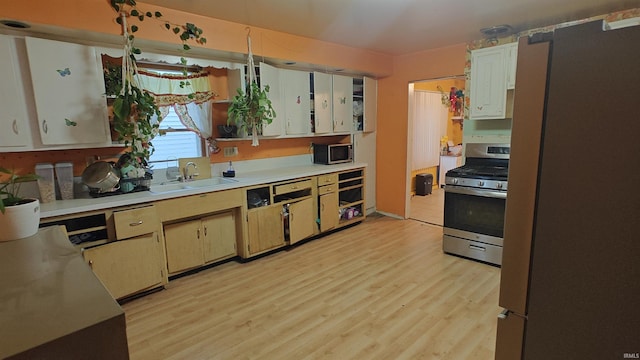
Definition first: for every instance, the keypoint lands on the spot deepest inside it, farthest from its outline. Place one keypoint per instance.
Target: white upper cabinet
(14, 127)
(270, 75)
(69, 93)
(488, 83)
(370, 104)
(342, 103)
(512, 62)
(295, 96)
(322, 103)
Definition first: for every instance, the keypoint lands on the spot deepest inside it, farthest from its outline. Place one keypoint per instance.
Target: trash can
(424, 183)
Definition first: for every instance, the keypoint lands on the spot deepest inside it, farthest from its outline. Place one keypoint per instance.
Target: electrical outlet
(230, 151)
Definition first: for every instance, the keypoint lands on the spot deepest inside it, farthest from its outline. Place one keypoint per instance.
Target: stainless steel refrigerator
(570, 278)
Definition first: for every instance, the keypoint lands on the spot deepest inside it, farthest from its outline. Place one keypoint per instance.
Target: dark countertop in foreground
(52, 306)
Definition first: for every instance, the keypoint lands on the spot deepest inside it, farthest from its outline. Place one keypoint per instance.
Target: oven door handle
(475, 192)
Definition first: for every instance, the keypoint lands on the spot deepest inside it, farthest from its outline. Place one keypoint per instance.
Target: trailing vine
(134, 108)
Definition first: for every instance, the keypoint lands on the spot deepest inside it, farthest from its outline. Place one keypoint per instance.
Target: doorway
(424, 146)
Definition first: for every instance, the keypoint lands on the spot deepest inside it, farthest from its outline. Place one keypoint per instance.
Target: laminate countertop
(52, 306)
(243, 179)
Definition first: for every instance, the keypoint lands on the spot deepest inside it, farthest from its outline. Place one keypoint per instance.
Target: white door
(365, 152)
(69, 92)
(322, 108)
(296, 90)
(14, 134)
(342, 103)
(270, 75)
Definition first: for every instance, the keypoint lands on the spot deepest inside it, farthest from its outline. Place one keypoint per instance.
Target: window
(178, 142)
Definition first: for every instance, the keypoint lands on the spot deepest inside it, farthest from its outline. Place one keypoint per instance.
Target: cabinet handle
(14, 126)
(198, 233)
(139, 222)
(479, 107)
(45, 128)
(479, 248)
(91, 263)
(205, 231)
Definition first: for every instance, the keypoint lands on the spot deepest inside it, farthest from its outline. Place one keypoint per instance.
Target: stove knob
(499, 185)
(481, 183)
(455, 180)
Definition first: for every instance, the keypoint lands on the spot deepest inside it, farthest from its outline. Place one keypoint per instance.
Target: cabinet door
(342, 103)
(266, 230)
(295, 88)
(270, 75)
(488, 84)
(301, 220)
(512, 63)
(13, 117)
(184, 246)
(329, 215)
(69, 93)
(128, 266)
(370, 104)
(323, 112)
(219, 239)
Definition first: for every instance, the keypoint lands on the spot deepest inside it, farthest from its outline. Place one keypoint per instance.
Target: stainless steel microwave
(332, 153)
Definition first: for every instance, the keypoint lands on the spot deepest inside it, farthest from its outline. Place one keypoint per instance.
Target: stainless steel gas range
(474, 203)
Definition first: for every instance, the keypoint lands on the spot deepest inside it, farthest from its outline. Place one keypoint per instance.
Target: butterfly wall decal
(64, 72)
(70, 123)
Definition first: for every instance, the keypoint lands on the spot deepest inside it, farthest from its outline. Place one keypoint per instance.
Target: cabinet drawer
(326, 189)
(201, 204)
(135, 222)
(327, 179)
(291, 187)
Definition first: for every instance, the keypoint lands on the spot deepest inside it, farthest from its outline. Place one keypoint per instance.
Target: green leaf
(186, 47)
(158, 14)
(176, 30)
(167, 26)
(134, 12)
(141, 17)
(148, 14)
(134, 28)
(70, 123)
(118, 19)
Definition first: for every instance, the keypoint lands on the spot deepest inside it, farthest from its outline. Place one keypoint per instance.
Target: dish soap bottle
(230, 171)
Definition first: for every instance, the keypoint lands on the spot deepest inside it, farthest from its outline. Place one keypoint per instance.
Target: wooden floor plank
(380, 290)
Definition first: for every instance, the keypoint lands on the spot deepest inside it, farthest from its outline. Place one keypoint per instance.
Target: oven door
(475, 214)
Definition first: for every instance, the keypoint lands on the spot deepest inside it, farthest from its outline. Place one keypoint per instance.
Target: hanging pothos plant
(134, 108)
(252, 109)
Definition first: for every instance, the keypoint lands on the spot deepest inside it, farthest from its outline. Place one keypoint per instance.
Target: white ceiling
(395, 27)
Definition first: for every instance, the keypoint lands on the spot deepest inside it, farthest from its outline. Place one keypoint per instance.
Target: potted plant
(134, 108)
(250, 110)
(19, 217)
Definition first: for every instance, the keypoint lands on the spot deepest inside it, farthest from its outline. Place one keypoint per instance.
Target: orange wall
(393, 73)
(393, 113)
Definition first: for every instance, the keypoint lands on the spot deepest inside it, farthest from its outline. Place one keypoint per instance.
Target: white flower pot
(20, 221)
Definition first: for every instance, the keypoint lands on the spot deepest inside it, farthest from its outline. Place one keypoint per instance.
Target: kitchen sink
(195, 184)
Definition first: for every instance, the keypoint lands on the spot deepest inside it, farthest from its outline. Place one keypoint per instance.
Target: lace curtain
(194, 112)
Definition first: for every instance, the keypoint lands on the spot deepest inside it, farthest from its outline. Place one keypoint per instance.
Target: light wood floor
(380, 290)
(428, 208)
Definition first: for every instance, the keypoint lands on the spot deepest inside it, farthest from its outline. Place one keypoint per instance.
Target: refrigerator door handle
(503, 314)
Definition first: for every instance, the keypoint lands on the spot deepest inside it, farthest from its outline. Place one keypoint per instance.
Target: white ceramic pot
(20, 221)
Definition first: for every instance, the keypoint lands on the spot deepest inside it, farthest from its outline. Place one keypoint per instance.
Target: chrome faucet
(186, 176)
